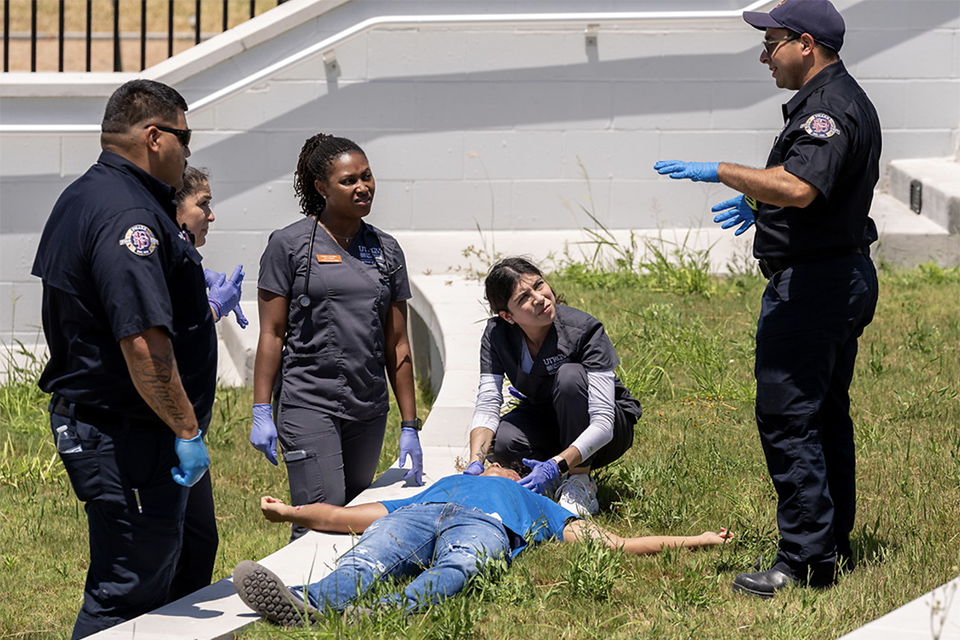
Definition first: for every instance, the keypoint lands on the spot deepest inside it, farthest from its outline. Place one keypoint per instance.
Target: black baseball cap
(819, 18)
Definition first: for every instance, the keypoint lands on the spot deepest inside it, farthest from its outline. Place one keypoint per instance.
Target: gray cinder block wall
(519, 125)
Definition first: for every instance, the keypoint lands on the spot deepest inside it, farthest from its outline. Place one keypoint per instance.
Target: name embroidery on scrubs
(820, 125)
(328, 258)
(553, 362)
(140, 240)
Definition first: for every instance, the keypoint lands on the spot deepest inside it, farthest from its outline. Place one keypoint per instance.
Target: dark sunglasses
(772, 45)
(183, 135)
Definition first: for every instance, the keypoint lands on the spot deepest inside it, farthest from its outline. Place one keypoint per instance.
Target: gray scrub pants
(329, 459)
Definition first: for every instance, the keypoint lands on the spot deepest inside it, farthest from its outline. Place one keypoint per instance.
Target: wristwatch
(416, 423)
(562, 465)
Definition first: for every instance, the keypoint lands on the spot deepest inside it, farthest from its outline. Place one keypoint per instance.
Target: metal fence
(112, 14)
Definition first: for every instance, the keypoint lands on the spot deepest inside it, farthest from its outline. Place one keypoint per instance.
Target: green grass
(687, 351)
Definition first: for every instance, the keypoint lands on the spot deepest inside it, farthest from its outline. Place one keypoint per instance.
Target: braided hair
(316, 158)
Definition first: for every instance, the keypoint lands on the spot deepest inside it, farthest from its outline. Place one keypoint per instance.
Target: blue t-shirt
(530, 517)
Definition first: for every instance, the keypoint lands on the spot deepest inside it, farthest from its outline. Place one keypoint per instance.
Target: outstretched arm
(645, 545)
(323, 517)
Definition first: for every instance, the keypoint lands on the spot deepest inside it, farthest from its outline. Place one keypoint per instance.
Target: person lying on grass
(443, 535)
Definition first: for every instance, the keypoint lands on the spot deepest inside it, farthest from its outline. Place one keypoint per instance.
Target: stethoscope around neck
(303, 300)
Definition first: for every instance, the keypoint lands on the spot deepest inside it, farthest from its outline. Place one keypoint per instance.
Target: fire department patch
(140, 239)
(820, 125)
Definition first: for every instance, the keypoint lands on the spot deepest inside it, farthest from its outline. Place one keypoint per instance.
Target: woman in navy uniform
(573, 415)
(332, 296)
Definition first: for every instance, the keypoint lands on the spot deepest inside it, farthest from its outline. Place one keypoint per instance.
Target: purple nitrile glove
(224, 293)
(410, 445)
(263, 433)
(475, 468)
(194, 460)
(541, 476)
(696, 171)
(211, 277)
(734, 211)
(241, 319)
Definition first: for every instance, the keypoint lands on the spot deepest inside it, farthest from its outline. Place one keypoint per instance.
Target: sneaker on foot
(578, 494)
(264, 592)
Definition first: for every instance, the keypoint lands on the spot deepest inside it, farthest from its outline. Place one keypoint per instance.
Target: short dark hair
(139, 100)
(316, 158)
(193, 179)
(502, 280)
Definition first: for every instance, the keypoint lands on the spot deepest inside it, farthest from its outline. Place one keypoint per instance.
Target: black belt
(85, 413)
(770, 266)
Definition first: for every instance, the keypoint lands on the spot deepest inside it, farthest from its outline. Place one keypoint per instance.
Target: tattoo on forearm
(156, 379)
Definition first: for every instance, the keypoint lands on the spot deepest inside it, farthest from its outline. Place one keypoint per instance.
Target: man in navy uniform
(132, 345)
(810, 205)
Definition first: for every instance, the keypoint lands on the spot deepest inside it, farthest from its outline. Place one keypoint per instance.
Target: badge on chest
(328, 258)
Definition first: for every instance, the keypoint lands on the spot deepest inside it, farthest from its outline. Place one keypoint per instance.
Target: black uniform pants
(540, 431)
(810, 319)
(136, 517)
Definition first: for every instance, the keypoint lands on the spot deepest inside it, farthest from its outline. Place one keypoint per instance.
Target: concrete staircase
(919, 215)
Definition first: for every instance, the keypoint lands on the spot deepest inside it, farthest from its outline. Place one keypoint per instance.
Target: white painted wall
(507, 127)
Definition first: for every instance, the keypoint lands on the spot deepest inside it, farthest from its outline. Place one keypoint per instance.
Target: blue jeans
(445, 543)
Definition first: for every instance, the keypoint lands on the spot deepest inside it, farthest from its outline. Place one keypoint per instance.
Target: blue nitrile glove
(194, 460)
(263, 433)
(734, 211)
(516, 393)
(241, 319)
(410, 445)
(696, 171)
(211, 277)
(475, 468)
(224, 293)
(541, 476)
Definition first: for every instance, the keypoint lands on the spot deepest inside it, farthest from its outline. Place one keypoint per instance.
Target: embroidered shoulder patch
(820, 125)
(140, 239)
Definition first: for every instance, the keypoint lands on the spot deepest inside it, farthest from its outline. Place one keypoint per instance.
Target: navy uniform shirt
(831, 139)
(114, 264)
(334, 350)
(575, 337)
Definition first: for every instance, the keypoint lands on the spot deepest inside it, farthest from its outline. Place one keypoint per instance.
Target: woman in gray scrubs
(332, 299)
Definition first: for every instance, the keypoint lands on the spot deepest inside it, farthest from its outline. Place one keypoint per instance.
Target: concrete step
(930, 186)
(908, 239)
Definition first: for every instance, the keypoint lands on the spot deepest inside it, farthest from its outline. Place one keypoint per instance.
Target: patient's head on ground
(501, 472)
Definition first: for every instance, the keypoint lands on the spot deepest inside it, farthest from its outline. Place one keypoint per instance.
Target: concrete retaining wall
(473, 126)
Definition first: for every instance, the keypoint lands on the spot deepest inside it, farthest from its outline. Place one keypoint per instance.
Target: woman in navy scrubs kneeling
(573, 414)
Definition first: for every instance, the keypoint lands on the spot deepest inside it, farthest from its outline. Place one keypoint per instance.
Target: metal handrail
(404, 21)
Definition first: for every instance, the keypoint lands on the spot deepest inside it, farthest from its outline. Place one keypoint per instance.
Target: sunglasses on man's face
(183, 135)
(772, 45)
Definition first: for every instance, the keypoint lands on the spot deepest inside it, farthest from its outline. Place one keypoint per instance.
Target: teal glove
(194, 460)
(736, 211)
(696, 171)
